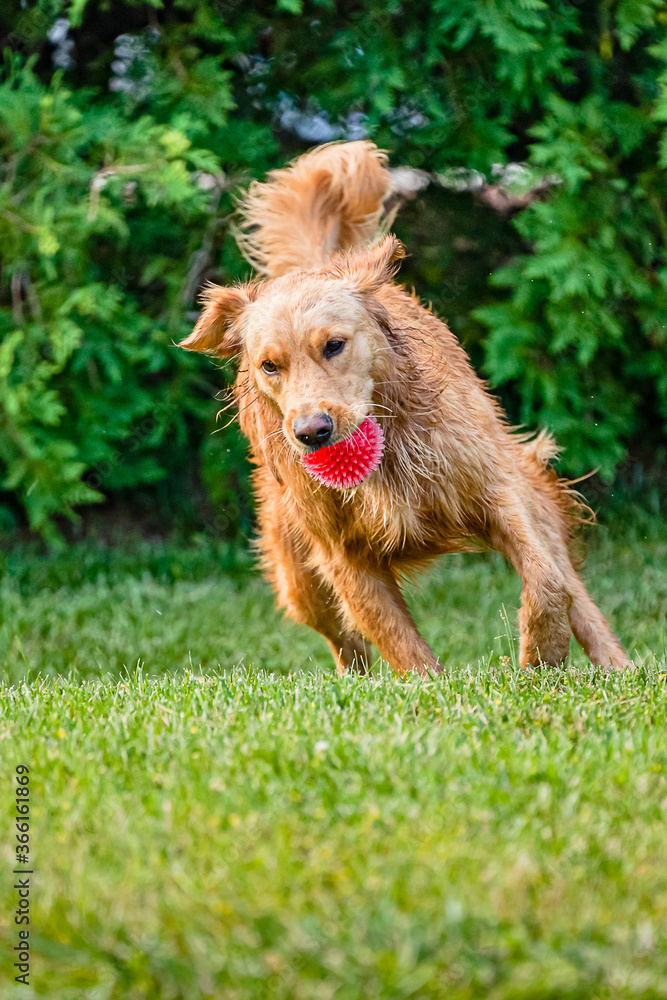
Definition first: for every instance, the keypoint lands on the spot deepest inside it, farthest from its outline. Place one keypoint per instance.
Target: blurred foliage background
(127, 128)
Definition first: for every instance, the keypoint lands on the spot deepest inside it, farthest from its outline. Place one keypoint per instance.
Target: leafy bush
(125, 130)
(584, 333)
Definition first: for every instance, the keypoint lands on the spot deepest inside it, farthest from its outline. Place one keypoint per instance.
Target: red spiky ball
(347, 463)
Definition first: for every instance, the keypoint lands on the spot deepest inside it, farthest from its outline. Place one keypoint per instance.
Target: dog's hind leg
(591, 629)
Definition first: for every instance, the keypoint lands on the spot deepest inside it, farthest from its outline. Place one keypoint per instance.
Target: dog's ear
(371, 267)
(218, 329)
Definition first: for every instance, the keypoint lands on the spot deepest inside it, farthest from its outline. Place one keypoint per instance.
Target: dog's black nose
(313, 431)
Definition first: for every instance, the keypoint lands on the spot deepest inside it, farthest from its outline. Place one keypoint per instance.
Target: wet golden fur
(453, 476)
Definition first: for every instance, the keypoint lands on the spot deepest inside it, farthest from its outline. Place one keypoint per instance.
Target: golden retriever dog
(325, 341)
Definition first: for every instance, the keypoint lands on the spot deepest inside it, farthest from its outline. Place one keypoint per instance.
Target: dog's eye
(269, 367)
(333, 347)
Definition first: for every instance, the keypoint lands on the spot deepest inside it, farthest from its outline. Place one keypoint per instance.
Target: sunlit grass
(271, 830)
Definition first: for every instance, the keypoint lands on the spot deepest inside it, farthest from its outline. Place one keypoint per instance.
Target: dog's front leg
(530, 530)
(374, 605)
(304, 595)
(544, 624)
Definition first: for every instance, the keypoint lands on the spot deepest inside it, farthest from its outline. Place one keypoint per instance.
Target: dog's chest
(408, 527)
(384, 522)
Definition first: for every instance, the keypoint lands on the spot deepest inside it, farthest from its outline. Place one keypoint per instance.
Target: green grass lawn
(202, 828)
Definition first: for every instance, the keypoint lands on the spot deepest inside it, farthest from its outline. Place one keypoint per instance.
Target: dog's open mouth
(347, 463)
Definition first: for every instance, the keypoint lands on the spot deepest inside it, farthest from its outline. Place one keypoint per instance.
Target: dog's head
(314, 341)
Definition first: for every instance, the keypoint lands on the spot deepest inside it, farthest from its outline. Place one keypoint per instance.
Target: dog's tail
(542, 447)
(328, 200)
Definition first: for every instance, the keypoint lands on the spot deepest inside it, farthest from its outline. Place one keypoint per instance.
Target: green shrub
(584, 332)
(125, 132)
